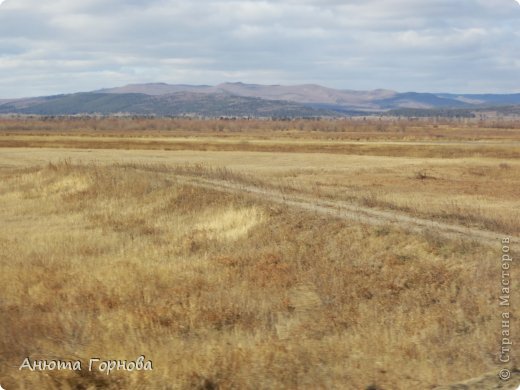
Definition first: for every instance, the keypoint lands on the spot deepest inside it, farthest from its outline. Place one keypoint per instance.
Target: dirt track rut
(344, 210)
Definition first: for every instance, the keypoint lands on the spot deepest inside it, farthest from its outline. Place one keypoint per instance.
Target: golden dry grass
(439, 138)
(381, 148)
(108, 254)
(358, 129)
(221, 291)
(478, 192)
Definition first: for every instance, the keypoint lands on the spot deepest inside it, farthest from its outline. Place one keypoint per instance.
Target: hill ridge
(256, 100)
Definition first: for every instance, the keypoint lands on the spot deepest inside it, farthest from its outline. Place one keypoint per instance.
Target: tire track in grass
(347, 211)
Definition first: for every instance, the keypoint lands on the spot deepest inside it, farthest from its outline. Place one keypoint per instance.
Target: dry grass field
(108, 250)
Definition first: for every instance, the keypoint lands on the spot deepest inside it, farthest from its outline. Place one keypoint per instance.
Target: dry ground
(479, 192)
(221, 290)
(116, 258)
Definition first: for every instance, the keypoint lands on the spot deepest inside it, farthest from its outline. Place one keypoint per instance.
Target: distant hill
(176, 104)
(305, 94)
(419, 100)
(239, 99)
(337, 99)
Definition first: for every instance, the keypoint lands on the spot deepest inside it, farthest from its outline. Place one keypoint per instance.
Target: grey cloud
(440, 45)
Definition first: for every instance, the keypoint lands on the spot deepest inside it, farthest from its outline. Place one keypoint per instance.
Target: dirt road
(267, 163)
(351, 212)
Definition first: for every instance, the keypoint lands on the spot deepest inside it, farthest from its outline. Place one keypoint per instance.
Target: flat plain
(257, 254)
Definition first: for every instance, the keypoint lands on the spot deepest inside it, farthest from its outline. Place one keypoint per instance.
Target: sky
(63, 46)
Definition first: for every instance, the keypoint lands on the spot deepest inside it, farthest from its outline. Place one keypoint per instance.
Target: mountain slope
(419, 100)
(239, 99)
(305, 94)
(177, 104)
(485, 99)
(339, 100)
(308, 94)
(87, 103)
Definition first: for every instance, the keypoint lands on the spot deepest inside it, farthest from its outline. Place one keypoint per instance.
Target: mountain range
(239, 99)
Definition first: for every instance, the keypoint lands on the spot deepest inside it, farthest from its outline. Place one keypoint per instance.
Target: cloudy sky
(59, 46)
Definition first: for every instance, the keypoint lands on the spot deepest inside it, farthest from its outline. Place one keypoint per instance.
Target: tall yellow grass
(221, 291)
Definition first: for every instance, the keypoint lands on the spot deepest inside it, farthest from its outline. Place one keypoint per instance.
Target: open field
(473, 191)
(272, 262)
